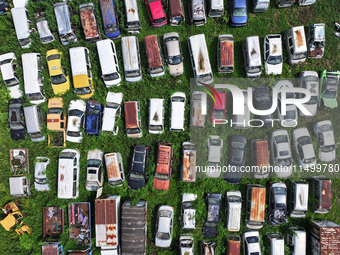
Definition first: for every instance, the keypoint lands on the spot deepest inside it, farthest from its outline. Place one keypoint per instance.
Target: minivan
(260, 5)
(33, 121)
(68, 174)
(110, 19)
(272, 47)
(225, 53)
(131, 58)
(177, 116)
(233, 210)
(9, 76)
(296, 240)
(216, 8)
(21, 25)
(298, 198)
(63, 15)
(114, 168)
(156, 116)
(108, 62)
(153, 52)
(89, 23)
(188, 173)
(176, 12)
(252, 56)
(200, 59)
(19, 186)
(277, 243)
(33, 80)
(256, 203)
(132, 16)
(133, 124)
(296, 44)
(260, 158)
(198, 108)
(197, 12)
(81, 72)
(322, 192)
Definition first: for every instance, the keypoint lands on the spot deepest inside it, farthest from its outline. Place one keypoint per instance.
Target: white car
(326, 142)
(7, 67)
(45, 33)
(273, 54)
(186, 242)
(281, 153)
(188, 211)
(112, 109)
(290, 119)
(310, 80)
(40, 179)
(94, 170)
(251, 243)
(165, 217)
(304, 147)
(177, 116)
(173, 53)
(76, 112)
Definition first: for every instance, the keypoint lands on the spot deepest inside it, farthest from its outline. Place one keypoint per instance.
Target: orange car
(164, 166)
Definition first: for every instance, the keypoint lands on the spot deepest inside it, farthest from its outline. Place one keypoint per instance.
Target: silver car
(215, 146)
(40, 178)
(326, 142)
(94, 170)
(186, 242)
(310, 80)
(173, 53)
(304, 147)
(44, 31)
(165, 216)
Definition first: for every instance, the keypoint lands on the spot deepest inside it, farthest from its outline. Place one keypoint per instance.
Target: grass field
(272, 21)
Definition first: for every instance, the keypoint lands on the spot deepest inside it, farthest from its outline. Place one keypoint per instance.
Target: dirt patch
(306, 15)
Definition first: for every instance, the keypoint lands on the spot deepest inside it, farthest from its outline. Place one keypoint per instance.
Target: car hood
(176, 69)
(238, 20)
(327, 156)
(18, 134)
(312, 108)
(209, 231)
(136, 184)
(273, 69)
(330, 102)
(73, 123)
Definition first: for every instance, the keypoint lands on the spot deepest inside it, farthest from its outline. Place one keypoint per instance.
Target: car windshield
(218, 114)
(161, 176)
(164, 236)
(279, 191)
(156, 127)
(83, 91)
(58, 79)
(139, 157)
(280, 206)
(328, 148)
(93, 163)
(330, 91)
(238, 145)
(73, 133)
(175, 60)
(326, 127)
(240, 12)
(53, 57)
(215, 142)
(284, 162)
(313, 100)
(77, 113)
(41, 180)
(177, 99)
(274, 60)
(252, 239)
(36, 135)
(309, 160)
(160, 20)
(93, 112)
(131, 74)
(11, 82)
(281, 139)
(133, 131)
(304, 140)
(111, 77)
(6, 61)
(34, 96)
(263, 98)
(290, 115)
(112, 28)
(54, 110)
(136, 176)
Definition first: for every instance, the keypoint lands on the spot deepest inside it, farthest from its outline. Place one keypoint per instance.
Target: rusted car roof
(51, 249)
(131, 115)
(112, 166)
(262, 155)
(108, 13)
(176, 8)
(189, 166)
(88, 20)
(163, 158)
(227, 54)
(258, 202)
(53, 222)
(105, 211)
(234, 247)
(153, 51)
(326, 193)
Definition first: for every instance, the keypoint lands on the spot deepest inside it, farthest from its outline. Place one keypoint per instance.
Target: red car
(156, 13)
(218, 109)
(162, 177)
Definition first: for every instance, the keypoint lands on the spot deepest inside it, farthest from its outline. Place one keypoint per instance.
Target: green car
(329, 82)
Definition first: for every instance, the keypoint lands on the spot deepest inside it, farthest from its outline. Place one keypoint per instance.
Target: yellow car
(60, 82)
(56, 121)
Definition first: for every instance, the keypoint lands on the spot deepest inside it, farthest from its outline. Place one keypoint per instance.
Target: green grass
(273, 21)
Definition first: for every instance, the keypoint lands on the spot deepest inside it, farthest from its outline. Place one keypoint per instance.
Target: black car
(214, 207)
(262, 100)
(137, 176)
(3, 7)
(237, 146)
(277, 203)
(15, 115)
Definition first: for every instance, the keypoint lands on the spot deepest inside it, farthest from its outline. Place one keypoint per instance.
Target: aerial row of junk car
(121, 228)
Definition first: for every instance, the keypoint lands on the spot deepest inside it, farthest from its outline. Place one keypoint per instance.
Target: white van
(131, 58)
(296, 44)
(216, 8)
(296, 240)
(63, 14)
(108, 62)
(177, 116)
(9, 76)
(200, 59)
(112, 109)
(233, 210)
(252, 56)
(68, 174)
(156, 116)
(33, 80)
(19, 186)
(132, 16)
(33, 121)
(277, 243)
(298, 198)
(21, 25)
(273, 59)
(260, 5)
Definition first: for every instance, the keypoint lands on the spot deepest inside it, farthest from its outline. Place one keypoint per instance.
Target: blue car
(93, 117)
(110, 19)
(238, 13)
